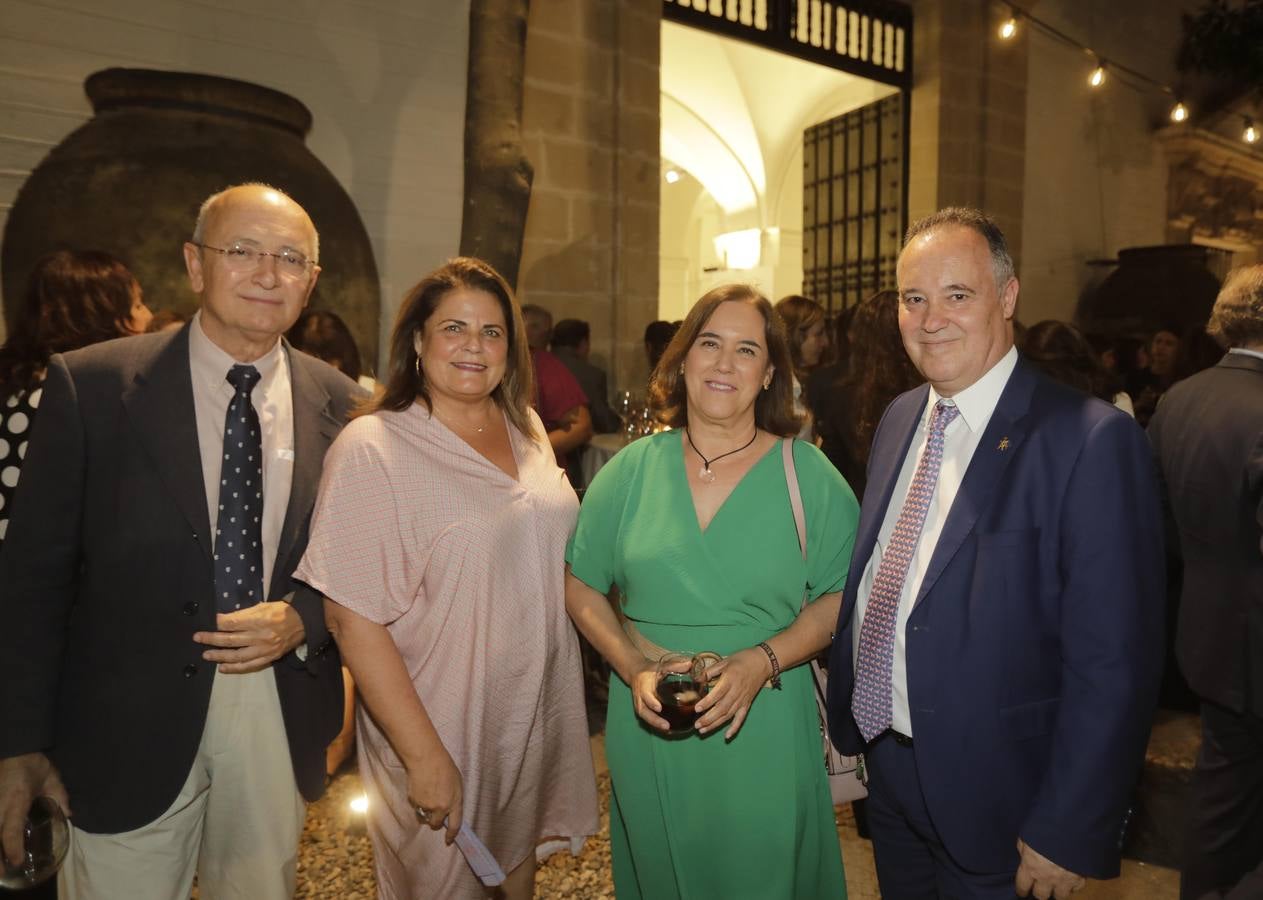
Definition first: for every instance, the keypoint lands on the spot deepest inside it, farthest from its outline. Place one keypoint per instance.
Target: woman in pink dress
(438, 540)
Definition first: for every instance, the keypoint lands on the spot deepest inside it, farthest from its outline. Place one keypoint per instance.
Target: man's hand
(22, 779)
(252, 639)
(1040, 877)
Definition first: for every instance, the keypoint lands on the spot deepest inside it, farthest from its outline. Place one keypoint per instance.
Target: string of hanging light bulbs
(1179, 112)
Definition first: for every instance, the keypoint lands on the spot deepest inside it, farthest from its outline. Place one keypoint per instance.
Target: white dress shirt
(273, 400)
(976, 404)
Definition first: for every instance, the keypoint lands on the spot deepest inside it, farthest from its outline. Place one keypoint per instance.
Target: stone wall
(591, 130)
(1096, 176)
(1072, 174)
(968, 135)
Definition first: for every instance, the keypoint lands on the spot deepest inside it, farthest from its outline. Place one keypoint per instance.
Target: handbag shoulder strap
(795, 495)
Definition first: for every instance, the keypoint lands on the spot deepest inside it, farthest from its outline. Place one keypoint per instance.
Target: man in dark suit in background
(572, 343)
(1208, 435)
(998, 649)
(164, 678)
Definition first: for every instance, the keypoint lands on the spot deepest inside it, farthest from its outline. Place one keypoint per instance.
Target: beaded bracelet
(775, 680)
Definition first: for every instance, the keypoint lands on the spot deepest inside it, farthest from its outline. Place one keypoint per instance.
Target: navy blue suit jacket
(1034, 646)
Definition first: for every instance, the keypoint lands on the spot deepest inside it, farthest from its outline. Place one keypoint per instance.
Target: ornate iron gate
(854, 202)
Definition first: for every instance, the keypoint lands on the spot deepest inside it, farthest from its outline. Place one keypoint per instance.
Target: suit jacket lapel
(999, 445)
(159, 404)
(315, 427)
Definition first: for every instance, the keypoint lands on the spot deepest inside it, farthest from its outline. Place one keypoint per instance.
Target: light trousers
(235, 823)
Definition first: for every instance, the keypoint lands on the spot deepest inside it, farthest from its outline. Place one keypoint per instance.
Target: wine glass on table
(626, 410)
(626, 402)
(45, 839)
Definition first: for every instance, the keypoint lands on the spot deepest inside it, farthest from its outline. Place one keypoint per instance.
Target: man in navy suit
(999, 646)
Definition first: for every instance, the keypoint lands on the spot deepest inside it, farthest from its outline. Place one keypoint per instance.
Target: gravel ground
(336, 860)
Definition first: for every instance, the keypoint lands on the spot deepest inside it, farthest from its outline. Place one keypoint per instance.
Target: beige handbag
(847, 778)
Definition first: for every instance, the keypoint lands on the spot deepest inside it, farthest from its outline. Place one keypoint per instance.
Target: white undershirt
(976, 404)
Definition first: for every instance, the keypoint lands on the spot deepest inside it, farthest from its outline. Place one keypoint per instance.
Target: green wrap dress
(696, 817)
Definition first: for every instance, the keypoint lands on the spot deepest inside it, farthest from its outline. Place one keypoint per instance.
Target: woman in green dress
(695, 527)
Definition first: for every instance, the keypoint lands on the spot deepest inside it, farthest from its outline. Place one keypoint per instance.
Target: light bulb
(1179, 112)
(1251, 134)
(1008, 29)
(360, 804)
(672, 176)
(1097, 78)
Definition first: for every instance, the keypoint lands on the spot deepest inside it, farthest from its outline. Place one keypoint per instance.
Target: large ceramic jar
(131, 179)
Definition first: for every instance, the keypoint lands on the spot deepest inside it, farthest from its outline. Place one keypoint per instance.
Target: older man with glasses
(165, 679)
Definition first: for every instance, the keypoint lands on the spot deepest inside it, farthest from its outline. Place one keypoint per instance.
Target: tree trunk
(497, 172)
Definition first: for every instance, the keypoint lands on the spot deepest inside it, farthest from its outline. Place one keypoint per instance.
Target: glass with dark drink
(682, 683)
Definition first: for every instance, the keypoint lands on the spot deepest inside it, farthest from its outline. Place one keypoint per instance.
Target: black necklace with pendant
(705, 474)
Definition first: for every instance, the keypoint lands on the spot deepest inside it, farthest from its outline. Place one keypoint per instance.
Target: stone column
(968, 134)
(591, 129)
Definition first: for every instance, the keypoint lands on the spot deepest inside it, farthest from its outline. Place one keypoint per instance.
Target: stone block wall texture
(384, 79)
(591, 129)
(1072, 174)
(967, 140)
(1096, 176)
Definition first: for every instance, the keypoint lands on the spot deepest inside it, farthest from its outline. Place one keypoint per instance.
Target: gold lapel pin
(1004, 443)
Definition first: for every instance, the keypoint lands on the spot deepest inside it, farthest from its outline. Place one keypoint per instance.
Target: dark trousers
(912, 863)
(1225, 831)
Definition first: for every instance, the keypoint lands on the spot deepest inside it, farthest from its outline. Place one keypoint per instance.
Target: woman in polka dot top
(73, 299)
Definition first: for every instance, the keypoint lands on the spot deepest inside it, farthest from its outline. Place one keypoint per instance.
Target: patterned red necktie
(870, 702)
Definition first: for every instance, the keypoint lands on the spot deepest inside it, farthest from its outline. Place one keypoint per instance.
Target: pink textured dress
(414, 530)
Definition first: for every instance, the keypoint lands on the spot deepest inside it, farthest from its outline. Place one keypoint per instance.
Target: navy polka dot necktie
(238, 529)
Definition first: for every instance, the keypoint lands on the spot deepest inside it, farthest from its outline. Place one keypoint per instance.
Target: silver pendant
(705, 475)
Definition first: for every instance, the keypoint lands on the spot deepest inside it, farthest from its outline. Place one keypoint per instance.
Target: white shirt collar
(211, 364)
(978, 401)
(1244, 352)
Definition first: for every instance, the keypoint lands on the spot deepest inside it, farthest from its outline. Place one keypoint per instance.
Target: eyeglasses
(242, 258)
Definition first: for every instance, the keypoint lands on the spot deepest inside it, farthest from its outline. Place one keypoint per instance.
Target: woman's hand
(735, 681)
(644, 691)
(436, 791)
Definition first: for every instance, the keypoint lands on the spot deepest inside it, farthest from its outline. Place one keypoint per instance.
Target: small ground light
(672, 176)
(360, 804)
(1097, 78)
(1179, 112)
(1008, 29)
(1251, 134)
